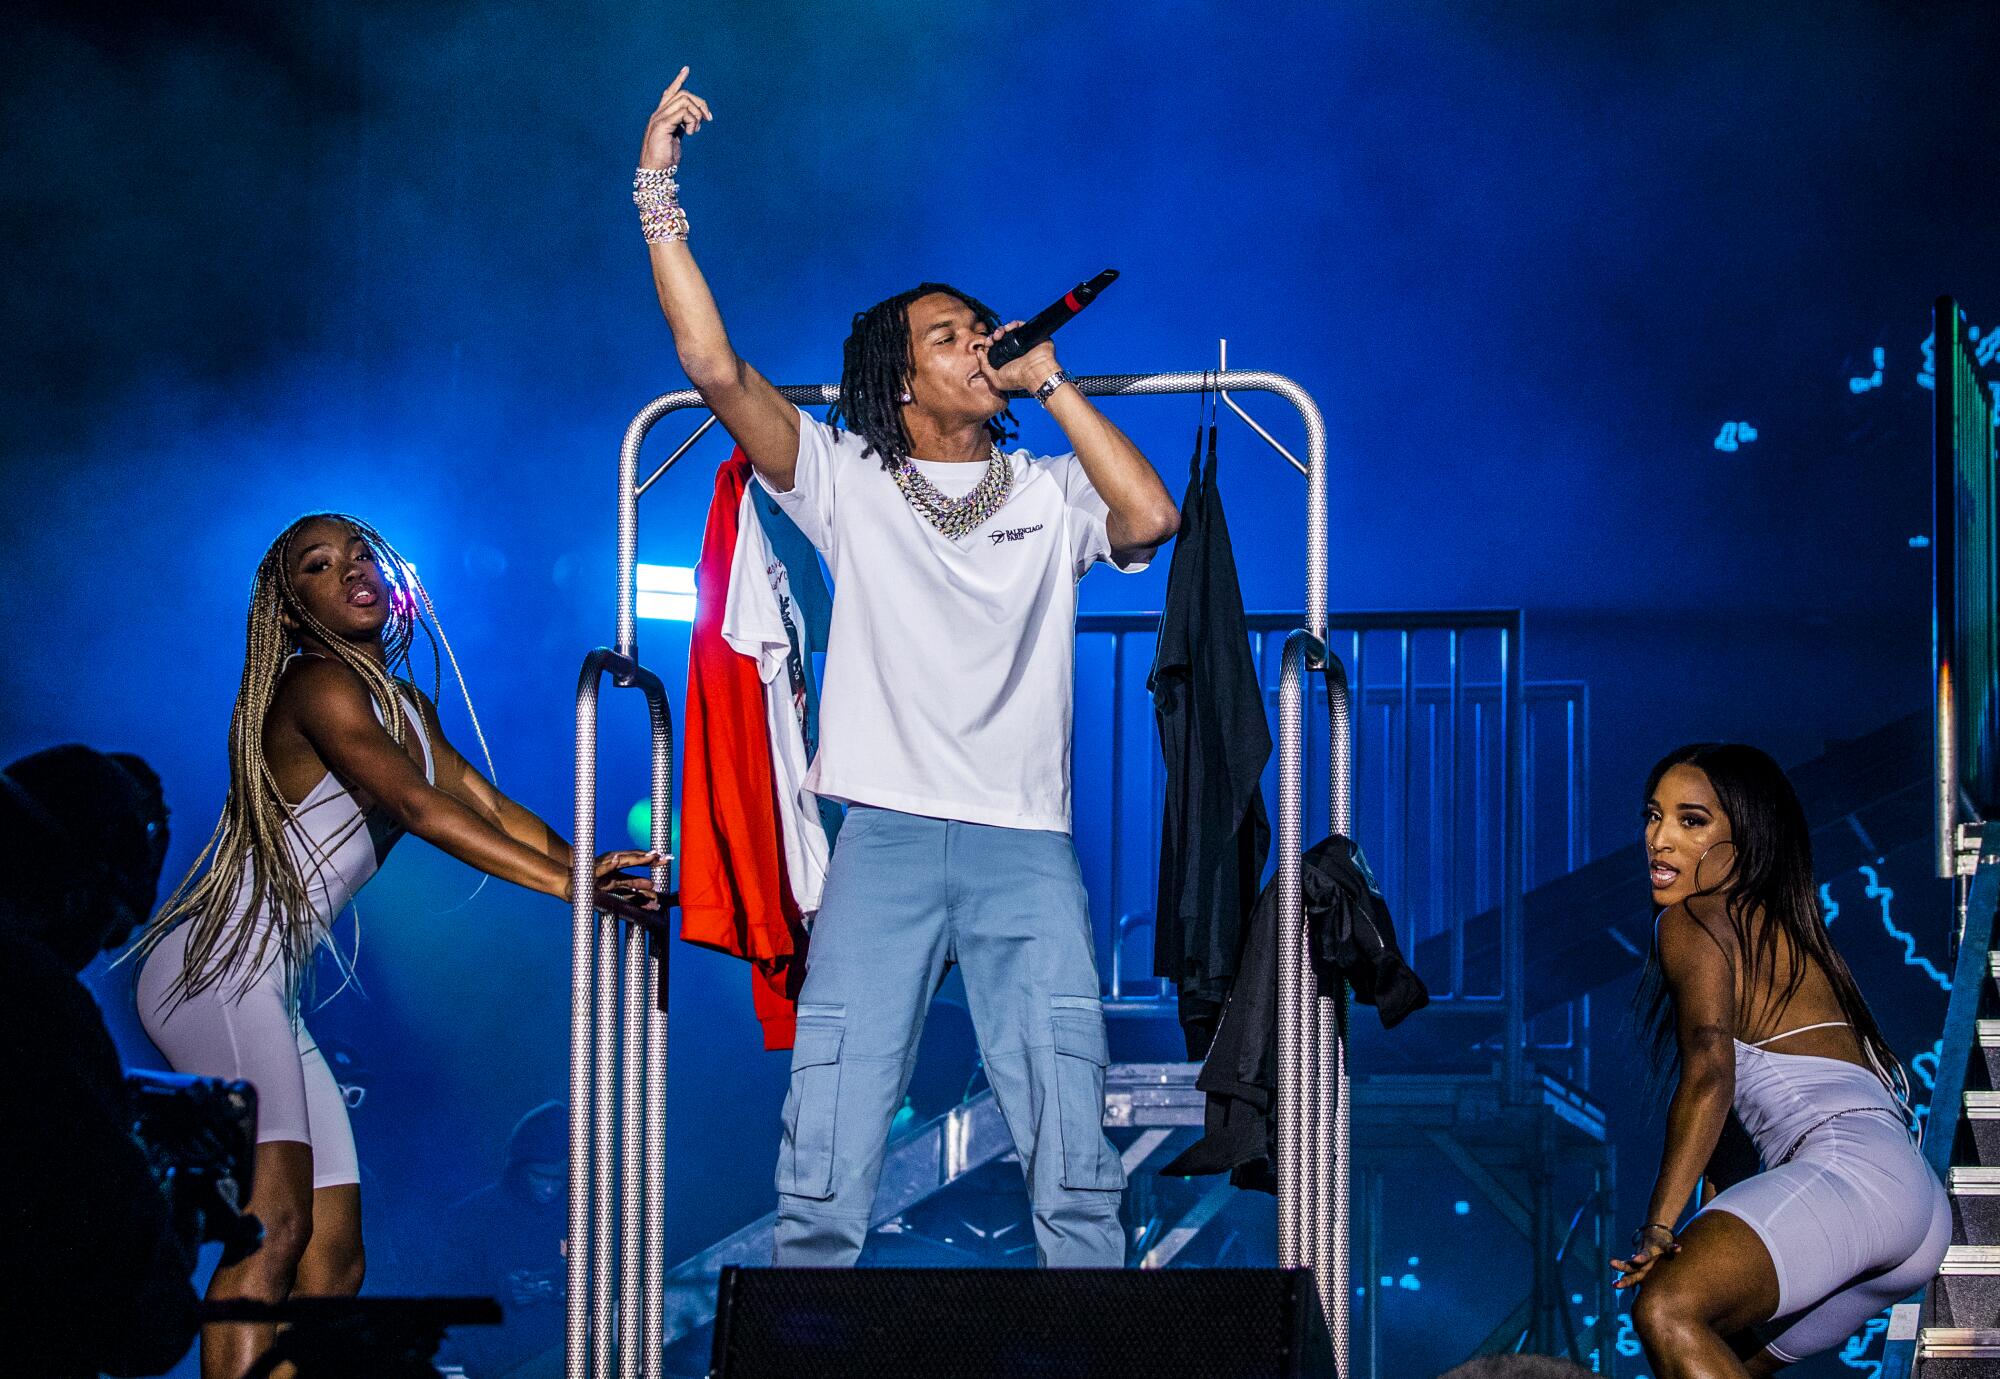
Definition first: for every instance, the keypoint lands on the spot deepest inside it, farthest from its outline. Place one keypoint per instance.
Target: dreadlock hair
(247, 868)
(1772, 879)
(875, 368)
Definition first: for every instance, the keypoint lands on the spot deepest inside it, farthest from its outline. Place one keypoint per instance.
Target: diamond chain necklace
(956, 517)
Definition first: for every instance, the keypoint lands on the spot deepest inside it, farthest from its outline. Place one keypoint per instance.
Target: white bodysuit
(246, 1030)
(1851, 1214)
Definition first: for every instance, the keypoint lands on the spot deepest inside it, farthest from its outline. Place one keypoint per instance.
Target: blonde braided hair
(249, 841)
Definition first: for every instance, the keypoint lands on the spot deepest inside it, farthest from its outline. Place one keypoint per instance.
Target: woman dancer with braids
(1749, 996)
(333, 755)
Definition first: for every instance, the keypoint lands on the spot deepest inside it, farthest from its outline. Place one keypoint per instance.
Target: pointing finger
(668, 94)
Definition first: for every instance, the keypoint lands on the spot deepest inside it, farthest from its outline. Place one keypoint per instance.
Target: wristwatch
(1049, 385)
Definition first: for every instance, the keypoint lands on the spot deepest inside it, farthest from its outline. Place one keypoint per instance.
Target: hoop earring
(1719, 842)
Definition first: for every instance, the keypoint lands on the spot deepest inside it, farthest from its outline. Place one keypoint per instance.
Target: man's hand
(1022, 375)
(680, 112)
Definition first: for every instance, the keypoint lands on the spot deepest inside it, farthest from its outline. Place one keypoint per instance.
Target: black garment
(93, 1276)
(1352, 937)
(1214, 835)
(500, 1242)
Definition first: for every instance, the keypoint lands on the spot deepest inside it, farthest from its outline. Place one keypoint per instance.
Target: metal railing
(1470, 787)
(1313, 1077)
(617, 1069)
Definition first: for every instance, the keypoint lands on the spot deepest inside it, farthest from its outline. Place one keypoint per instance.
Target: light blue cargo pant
(906, 895)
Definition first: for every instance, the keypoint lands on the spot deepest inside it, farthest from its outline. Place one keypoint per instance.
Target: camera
(200, 1139)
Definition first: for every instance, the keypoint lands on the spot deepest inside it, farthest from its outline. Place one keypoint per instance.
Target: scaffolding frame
(618, 979)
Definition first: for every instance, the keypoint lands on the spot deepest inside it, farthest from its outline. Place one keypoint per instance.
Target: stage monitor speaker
(1019, 1324)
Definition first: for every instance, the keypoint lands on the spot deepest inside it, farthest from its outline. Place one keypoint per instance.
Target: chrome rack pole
(1332, 1124)
(1297, 1039)
(618, 1073)
(582, 1012)
(1312, 1180)
(654, 995)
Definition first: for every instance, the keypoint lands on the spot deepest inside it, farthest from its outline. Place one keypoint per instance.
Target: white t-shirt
(949, 667)
(754, 622)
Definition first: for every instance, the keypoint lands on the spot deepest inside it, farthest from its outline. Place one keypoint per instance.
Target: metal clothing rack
(618, 980)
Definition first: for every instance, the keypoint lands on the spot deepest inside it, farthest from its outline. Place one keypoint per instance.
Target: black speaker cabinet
(1019, 1324)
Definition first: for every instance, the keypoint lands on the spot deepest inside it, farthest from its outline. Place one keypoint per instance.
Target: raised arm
(749, 408)
(1702, 984)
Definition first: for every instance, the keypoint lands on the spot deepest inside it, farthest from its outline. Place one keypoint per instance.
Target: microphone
(1047, 321)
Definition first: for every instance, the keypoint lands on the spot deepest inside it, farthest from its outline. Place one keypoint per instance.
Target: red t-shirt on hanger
(734, 894)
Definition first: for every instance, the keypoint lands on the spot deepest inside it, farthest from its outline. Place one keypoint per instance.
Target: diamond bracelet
(657, 195)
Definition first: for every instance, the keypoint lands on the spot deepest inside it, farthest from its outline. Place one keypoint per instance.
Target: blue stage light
(665, 592)
(1855, 1354)
(1862, 385)
(1911, 958)
(1462, 1208)
(1735, 435)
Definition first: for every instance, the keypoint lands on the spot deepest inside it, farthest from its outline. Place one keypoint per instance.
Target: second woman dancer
(1751, 999)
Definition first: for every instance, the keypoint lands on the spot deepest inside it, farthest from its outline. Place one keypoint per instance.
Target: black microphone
(1047, 321)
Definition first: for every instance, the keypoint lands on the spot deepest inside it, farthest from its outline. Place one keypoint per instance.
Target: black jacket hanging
(1206, 697)
(1352, 937)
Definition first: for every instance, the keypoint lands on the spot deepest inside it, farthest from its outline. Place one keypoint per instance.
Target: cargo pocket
(805, 1164)
(1088, 1160)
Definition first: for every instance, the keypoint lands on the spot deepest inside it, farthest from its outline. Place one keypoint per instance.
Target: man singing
(944, 726)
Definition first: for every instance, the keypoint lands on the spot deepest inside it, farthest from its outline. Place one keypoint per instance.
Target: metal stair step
(1975, 1203)
(1956, 1342)
(1982, 1121)
(1958, 1352)
(1971, 1259)
(1969, 1282)
(1986, 1050)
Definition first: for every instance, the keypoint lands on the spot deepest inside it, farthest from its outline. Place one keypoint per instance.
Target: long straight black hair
(1772, 878)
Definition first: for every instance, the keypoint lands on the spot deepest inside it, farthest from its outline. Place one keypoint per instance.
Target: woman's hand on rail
(680, 113)
(638, 890)
(608, 862)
